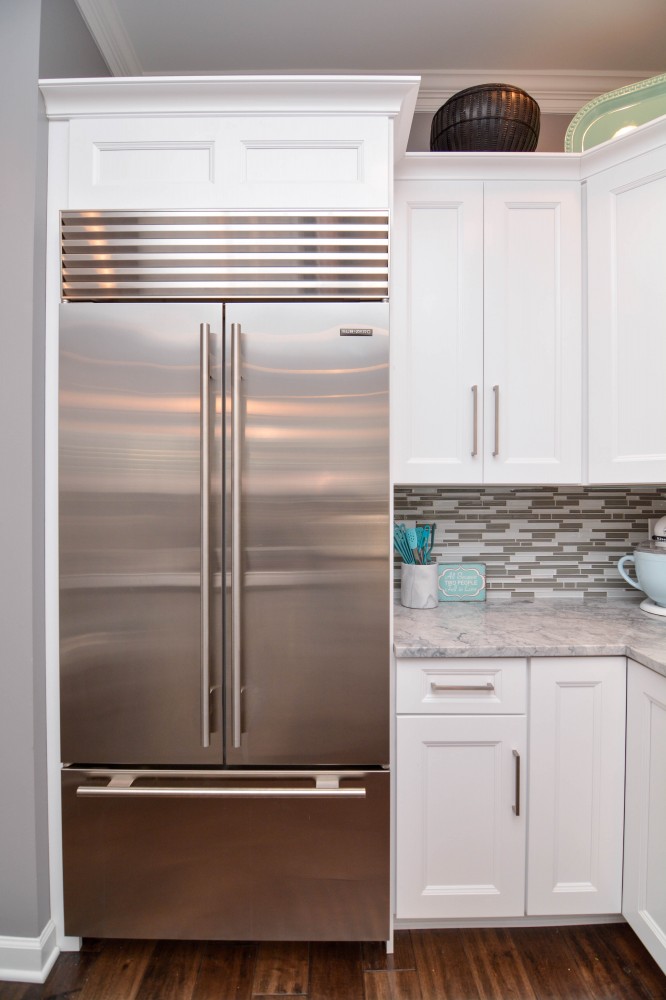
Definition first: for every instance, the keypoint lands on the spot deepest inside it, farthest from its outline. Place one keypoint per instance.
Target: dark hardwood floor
(604, 962)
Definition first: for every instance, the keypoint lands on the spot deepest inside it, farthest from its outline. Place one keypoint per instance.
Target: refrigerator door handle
(204, 466)
(236, 548)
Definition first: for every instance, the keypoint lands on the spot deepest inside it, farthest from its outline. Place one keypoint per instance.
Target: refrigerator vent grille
(116, 256)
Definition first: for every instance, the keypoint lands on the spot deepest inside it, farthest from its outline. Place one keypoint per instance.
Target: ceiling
(563, 51)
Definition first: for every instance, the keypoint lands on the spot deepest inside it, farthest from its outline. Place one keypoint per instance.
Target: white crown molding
(229, 95)
(106, 27)
(379, 96)
(488, 166)
(28, 960)
(557, 92)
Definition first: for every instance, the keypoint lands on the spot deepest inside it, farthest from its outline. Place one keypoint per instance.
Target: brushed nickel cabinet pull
(475, 421)
(496, 394)
(462, 687)
(516, 807)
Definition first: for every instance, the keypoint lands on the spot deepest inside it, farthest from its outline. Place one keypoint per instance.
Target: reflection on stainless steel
(129, 512)
(156, 255)
(186, 497)
(314, 529)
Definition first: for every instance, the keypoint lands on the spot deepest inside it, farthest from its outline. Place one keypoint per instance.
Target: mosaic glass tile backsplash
(537, 541)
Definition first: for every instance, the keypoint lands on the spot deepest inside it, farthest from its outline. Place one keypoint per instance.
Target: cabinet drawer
(457, 686)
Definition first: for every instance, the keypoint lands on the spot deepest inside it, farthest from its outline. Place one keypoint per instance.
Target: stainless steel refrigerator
(224, 602)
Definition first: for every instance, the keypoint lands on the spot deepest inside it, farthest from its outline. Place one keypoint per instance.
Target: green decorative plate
(605, 116)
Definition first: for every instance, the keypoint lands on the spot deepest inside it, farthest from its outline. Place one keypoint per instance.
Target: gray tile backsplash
(537, 541)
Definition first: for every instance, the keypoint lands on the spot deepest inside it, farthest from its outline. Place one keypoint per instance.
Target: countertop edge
(406, 650)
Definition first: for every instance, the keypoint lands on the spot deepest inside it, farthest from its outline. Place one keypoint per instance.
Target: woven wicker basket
(493, 117)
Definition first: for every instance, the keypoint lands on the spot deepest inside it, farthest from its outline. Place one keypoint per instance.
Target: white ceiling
(564, 52)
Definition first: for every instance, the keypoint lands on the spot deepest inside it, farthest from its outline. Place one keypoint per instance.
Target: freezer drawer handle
(236, 547)
(125, 790)
(204, 466)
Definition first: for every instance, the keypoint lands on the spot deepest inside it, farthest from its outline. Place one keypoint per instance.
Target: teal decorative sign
(461, 581)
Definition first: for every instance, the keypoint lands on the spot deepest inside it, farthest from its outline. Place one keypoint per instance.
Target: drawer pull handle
(516, 808)
(97, 791)
(462, 687)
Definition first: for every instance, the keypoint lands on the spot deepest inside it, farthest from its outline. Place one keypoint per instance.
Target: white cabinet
(576, 785)
(644, 892)
(626, 213)
(460, 790)
(277, 162)
(486, 332)
(476, 838)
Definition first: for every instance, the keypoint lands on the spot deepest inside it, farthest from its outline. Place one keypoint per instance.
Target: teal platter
(617, 112)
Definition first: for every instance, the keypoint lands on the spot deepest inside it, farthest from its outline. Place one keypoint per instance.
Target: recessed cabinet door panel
(627, 322)
(644, 896)
(130, 535)
(437, 338)
(460, 816)
(576, 794)
(532, 333)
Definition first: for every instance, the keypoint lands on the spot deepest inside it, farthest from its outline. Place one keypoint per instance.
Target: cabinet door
(626, 212)
(576, 785)
(437, 332)
(644, 897)
(460, 819)
(239, 162)
(532, 327)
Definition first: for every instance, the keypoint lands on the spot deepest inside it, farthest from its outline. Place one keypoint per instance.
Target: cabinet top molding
(533, 166)
(383, 96)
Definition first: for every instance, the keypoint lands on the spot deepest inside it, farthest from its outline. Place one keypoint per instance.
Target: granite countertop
(532, 628)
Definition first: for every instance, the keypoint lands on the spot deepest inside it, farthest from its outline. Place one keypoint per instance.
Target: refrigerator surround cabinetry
(486, 352)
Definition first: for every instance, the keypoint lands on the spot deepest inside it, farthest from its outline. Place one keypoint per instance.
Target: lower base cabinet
(484, 830)
(644, 891)
(461, 831)
(576, 786)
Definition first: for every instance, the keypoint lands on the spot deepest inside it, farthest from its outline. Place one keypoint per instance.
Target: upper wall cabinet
(243, 162)
(626, 211)
(486, 331)
(231, 142)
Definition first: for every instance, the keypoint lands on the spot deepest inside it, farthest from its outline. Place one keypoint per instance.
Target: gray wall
(24, 882)
(24, 897)
(67, 47)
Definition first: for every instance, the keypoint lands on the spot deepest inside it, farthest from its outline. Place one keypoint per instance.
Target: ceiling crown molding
(557, 92)
(106, 27)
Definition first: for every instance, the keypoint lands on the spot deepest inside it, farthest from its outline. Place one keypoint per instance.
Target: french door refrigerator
(224, 601)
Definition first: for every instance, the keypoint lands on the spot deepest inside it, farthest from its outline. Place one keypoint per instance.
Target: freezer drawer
(226, 855)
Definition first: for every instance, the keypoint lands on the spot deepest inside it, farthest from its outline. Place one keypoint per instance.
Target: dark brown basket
(493, 117)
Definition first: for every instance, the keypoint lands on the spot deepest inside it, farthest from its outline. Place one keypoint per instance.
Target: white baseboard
(28, 960)
(569, 921)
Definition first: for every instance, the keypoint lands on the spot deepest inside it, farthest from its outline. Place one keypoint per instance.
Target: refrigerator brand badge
(356, 331)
